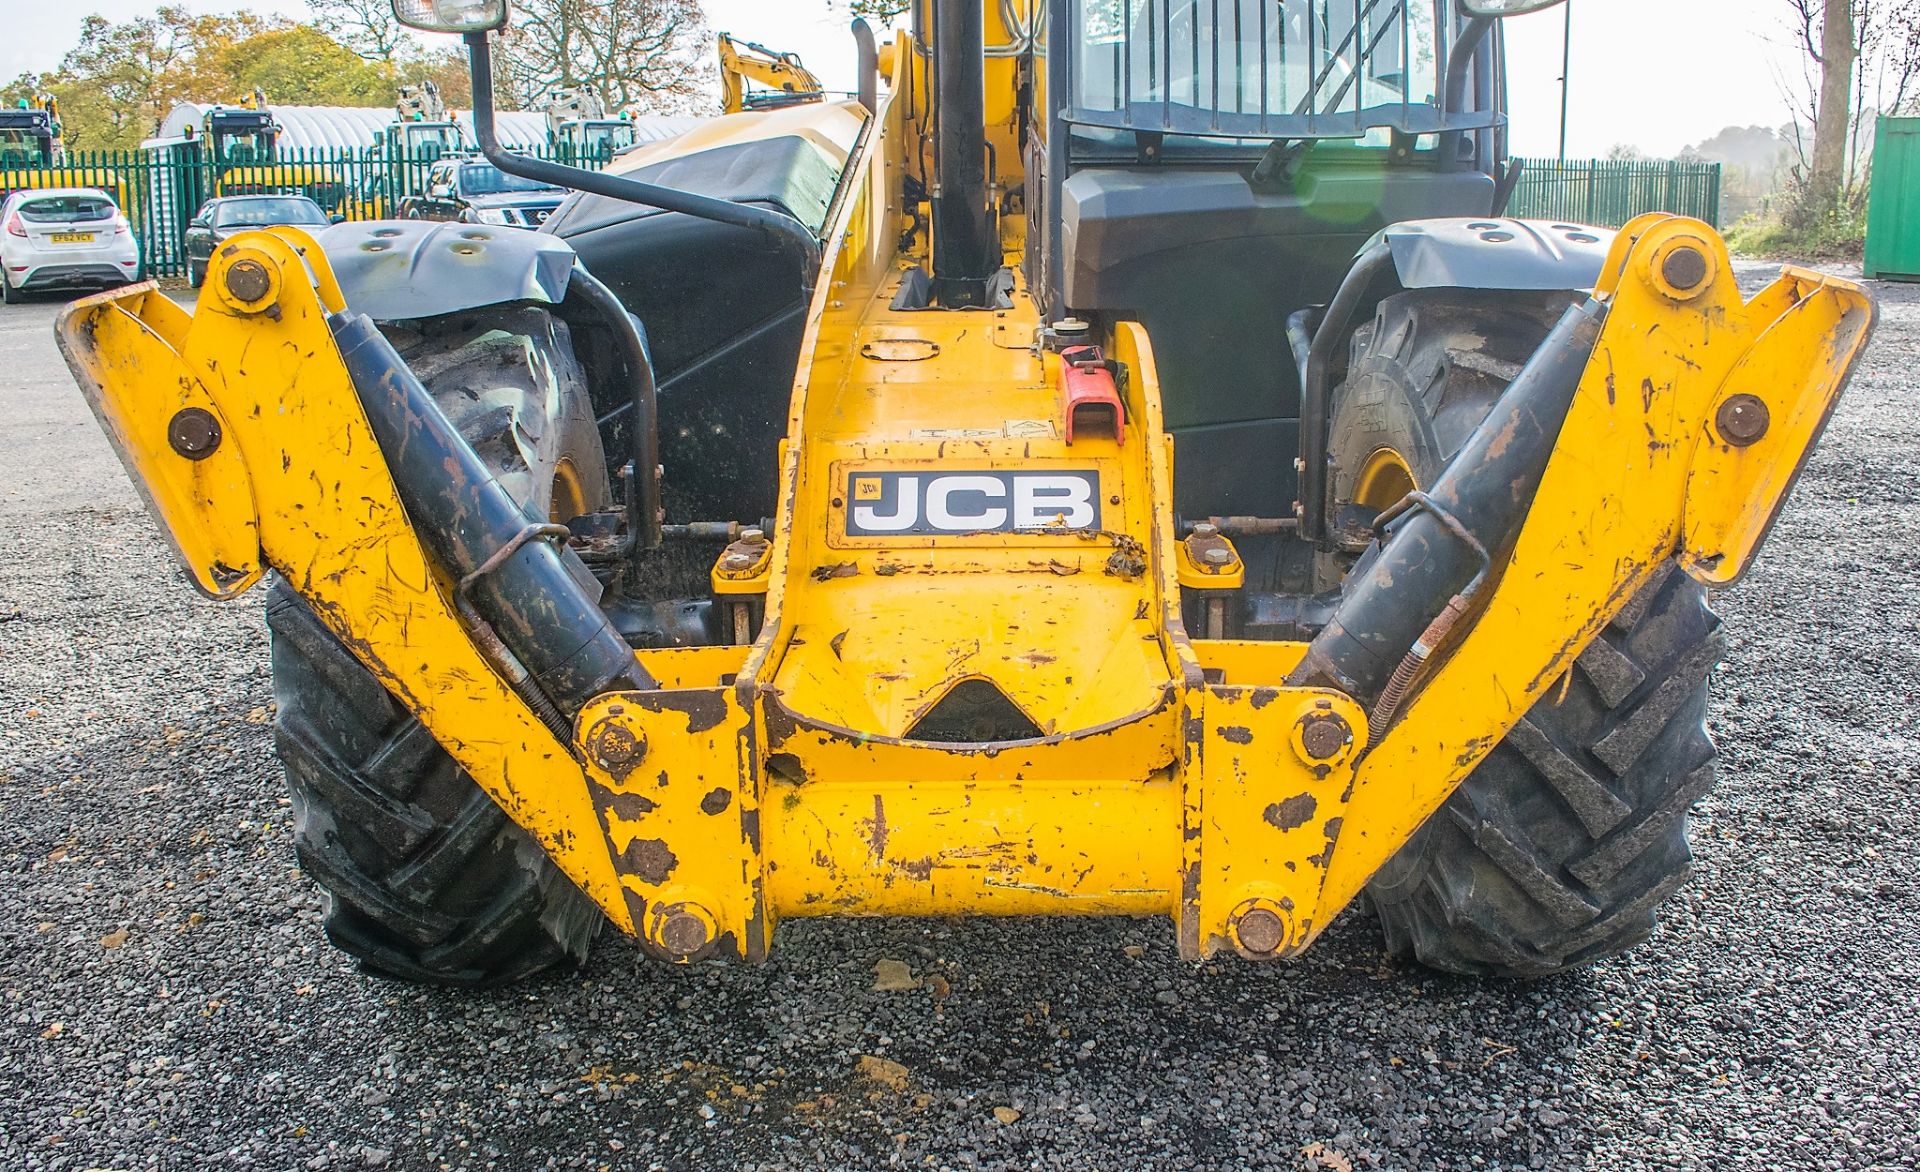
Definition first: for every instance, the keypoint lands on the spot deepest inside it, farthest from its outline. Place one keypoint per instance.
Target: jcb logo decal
(881, 504)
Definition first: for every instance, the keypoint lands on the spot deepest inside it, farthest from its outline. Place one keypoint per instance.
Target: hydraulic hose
(1316, 385)
(522, 586)
(644, 514)
(1420, 579)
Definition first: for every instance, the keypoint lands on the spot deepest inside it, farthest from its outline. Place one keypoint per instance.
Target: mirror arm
(782, 228)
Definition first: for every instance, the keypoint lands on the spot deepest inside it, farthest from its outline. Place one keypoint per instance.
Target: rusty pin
(1742, 420)
(1324, 735)
(193, 432)
(1684, 268)
(1260, 930)
(248, 280)
(682, 933)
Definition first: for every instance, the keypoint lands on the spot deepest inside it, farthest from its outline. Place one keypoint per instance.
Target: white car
(64, 238)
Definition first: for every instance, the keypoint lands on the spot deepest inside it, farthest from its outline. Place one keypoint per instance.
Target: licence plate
(72, 237)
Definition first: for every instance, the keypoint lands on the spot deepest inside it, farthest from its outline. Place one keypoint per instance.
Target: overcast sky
(1658, 74)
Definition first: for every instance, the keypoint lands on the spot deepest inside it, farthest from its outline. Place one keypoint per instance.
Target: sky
(1656, 74)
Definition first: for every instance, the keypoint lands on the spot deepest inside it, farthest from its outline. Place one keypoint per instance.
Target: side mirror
(1493, 8)
(336, 218)
(451, 16)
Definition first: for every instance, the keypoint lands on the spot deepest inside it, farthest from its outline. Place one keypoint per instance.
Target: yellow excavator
(1122, 462)
(781, 79)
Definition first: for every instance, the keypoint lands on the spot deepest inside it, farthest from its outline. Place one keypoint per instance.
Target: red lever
(1088, 395)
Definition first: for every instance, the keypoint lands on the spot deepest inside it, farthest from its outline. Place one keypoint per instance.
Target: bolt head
(248, 280)
(739, 561)
(753, 536)
(1217, 556)
(1205, 529)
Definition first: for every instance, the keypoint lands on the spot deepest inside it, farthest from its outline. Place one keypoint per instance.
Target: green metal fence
(161, 189)
(1606, 193)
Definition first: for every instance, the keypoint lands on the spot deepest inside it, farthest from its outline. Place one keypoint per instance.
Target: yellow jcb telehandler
(1126, 464)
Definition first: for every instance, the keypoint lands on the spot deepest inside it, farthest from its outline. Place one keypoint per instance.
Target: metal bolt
(1217, 556)
(1205, 529)
(615, 745)
(1685, 268)
(682, 933)
(193, 432)
(248, 280)
(1742, 420)
(1324, 736)
(739, 561)
(1261, 931)
(753, 536)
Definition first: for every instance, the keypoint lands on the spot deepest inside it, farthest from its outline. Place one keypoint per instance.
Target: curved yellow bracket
(1645, 468)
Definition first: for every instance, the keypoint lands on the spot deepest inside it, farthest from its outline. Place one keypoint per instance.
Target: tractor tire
(427, 879)
(1559, 847)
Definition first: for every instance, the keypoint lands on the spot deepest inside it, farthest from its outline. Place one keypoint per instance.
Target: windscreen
(1257, 67)
(66, 209)
(261, 212)
(487, 179)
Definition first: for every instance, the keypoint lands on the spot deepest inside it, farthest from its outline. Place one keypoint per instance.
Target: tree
(1862, 57)
(367, 27)
(647, 55)
(302, 66)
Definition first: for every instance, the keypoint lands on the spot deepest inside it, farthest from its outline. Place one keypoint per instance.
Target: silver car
(64, 238)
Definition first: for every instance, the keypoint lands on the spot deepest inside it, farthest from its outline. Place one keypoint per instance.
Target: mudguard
(1495, 254)
(395, 269)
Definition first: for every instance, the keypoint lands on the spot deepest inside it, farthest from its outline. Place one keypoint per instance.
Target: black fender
(393, 270)
(1495, 253)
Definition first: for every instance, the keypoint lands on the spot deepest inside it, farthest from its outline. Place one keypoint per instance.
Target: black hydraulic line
(867, 65)
(778, 225)
(644, 505)
(1316, 386)
(965, 254)
(1429, 558)
(516, 579)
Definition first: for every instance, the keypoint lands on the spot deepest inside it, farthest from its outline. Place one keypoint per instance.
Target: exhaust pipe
(1437, 546)
(965, 254)
(562, 650)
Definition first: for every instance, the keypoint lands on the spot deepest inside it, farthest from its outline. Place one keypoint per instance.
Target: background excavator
(1125, 464)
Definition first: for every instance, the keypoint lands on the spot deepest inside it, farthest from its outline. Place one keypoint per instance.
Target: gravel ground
(169, 1000)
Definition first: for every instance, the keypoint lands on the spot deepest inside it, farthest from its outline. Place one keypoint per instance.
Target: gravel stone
(1768, 1025)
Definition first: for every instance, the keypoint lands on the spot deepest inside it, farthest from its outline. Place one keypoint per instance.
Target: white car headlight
(491, 215)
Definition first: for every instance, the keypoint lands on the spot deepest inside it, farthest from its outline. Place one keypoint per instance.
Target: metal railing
(160, 190)
(1606, 193)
